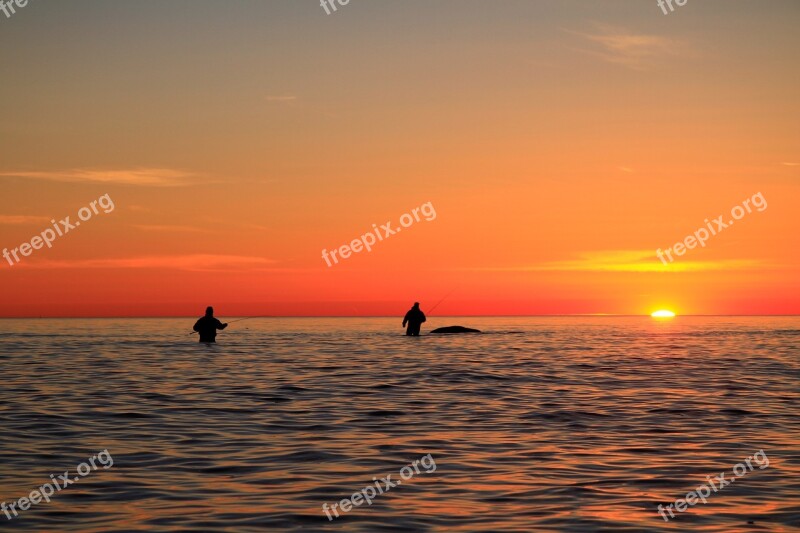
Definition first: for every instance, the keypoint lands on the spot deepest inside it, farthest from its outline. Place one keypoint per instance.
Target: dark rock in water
(455, 329)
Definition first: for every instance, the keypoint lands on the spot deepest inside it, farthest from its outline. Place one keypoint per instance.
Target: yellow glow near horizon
(663, 314)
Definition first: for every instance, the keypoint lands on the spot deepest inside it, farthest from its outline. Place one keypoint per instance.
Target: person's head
(209, 311)
(416, 305)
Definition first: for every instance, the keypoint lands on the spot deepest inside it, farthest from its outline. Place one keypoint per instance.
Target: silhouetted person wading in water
(414, 318)
(208, 325)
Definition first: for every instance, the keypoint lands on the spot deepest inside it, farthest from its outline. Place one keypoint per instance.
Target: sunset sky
(561, 143)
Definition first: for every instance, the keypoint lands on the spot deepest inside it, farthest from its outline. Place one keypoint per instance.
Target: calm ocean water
(539, 424)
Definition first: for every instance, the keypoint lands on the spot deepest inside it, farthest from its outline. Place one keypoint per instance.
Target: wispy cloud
(627, 48)
(240, 225)
(153, 177)
(168, 228)
(630, 261)
(791, 164)
(192, 263)
(279, 98)
(19, 220)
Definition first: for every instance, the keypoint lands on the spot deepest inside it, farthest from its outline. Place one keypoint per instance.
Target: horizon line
(595, 315)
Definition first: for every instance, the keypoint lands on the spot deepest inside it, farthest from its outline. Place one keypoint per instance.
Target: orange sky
(561, 144)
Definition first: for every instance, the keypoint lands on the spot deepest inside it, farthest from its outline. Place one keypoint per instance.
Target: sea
(536, 424)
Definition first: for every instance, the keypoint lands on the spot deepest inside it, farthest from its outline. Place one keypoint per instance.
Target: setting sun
(663, 314)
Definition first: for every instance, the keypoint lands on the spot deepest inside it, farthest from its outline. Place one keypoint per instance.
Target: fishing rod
(237, 320)
(248, 318)
(440, 301)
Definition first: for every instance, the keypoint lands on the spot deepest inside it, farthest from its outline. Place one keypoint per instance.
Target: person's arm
(423, 316)
(405, 319)
(220, 325)
(196, 326)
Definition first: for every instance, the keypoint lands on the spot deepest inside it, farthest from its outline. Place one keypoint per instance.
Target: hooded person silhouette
(208, 325)
(415, 317)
